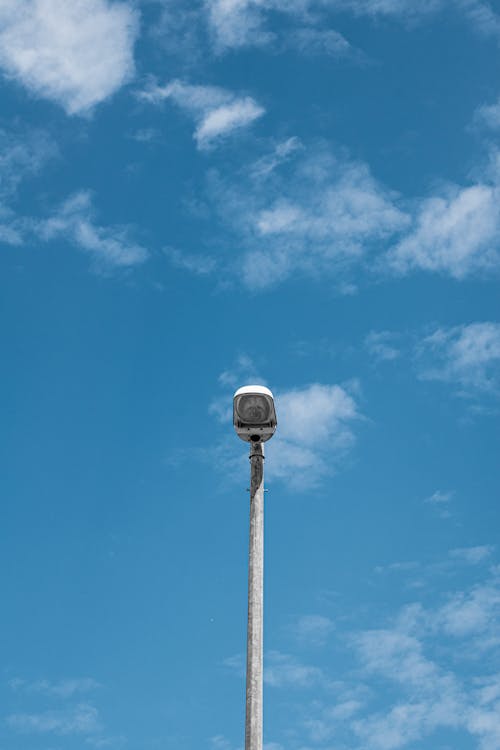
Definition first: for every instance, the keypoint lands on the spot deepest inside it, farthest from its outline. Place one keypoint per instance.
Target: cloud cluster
(410, 682)
(241, 23)
(216, 111)
(433, 697)
(317, 212)
(53, 711)
(313, 211)
(427, 674)
(233, 25)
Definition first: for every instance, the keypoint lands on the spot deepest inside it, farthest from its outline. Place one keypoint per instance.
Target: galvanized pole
(254, 694)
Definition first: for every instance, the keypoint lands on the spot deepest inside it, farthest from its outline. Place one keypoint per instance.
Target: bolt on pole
(254, 688)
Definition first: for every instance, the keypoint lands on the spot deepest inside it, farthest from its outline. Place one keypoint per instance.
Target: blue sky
(195, 196)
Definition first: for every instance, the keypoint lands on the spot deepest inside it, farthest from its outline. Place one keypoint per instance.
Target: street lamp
(254, 419)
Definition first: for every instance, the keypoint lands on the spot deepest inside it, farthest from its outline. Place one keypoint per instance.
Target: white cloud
(428, 676)
(74, 53)
(284, 670)
(237, 23)
(11, 232)
(315, 431)
(405, 9)
(311, 211)
(315, 427)
(440, 497)
(381, 345)
(312, 41)
(216, 111)
(82, 719)
(466, 355)
(481, 16)
(489, 115)
(226, 118)
(440, 500)
(199, 264)
(242, 23)
(22, 155)
(472, 555)
(283, 151)
(280, 670)
(312, 629)
(219, 742)
(434, 697)
(474, 612)
(109, 246)
(457, 233)
(62, 689)
(243, 371)
(317, 213)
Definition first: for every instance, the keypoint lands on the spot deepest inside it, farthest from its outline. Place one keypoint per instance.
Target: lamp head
(254, 415)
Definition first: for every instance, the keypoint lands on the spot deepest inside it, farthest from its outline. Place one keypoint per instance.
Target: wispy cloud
(488, 115)
(282, 152)
(76, 54)
(440, 501)
(319, 212)
(62, 689)
(418, 676)
(431, 697)
(283, 670)
(81, 719)
(109, 246)
(466, 356)
(440, 497)
(243, 23)
(472, 555)
(474, 612)
(456, 233)
(312, 629)
(382, 345)
(199, 264)
(316, 430)
(22, 155)
(216, 111)
(313, 41)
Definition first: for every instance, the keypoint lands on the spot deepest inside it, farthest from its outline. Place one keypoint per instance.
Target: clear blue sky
(199, 195)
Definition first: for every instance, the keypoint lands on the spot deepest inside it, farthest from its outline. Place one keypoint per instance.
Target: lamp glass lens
(253, 409)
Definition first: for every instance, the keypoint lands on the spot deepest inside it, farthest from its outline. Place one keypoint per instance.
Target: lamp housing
(254, 415)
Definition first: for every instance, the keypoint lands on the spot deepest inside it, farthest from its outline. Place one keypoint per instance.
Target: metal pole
(253, 723)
